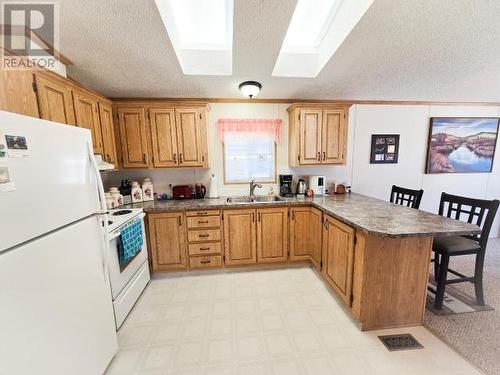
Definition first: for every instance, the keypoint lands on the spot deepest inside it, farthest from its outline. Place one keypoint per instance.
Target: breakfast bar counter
(374, 255)
(369, 215)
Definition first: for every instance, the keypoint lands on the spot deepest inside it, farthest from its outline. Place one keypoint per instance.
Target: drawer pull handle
(205, 261)
(203, 235)
(203, 222)
(204, 248)
(201, 213)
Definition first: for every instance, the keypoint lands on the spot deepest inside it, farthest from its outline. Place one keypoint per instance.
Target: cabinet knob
(175, 158)
(180, 158)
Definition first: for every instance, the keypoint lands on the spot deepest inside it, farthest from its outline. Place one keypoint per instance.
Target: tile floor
(266, 322)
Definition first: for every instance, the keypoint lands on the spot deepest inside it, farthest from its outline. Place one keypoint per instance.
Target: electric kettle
(301, 187)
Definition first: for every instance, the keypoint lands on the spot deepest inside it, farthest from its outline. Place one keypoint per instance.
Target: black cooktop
(122, 212)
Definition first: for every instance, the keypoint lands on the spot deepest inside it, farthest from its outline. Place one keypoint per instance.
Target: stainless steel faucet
(253, 185)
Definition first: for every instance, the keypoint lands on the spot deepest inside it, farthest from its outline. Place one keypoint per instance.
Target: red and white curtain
(244, 128)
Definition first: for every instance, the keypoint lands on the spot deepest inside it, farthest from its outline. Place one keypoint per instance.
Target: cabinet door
(315, 233)
(167, 241)
(87, 116)
(272, 235)
(16, 91)
(189, 137)
(300, 238)
(310, 136)
(338, 256)
(133, 137)
(55, 101)
(240, 237)
(334, 137)
(108, 133)
(163, 137)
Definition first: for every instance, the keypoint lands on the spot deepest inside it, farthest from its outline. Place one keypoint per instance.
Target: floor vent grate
(400, 342)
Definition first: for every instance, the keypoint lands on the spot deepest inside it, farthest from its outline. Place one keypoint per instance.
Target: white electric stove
(129, 279)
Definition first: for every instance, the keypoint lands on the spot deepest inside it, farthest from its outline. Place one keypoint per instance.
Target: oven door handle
(114, 235)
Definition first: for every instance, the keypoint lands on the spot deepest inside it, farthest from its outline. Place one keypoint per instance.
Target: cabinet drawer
(203, 213)
(203, 222)
(207, 261)
(204, 235)
(205, 248)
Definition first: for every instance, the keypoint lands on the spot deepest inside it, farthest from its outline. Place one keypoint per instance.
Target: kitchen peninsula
(373, 255)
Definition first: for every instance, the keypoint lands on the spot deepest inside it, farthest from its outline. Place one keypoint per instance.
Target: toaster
(182, 192)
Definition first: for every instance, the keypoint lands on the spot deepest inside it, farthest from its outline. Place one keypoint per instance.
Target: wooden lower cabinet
(167, 241)
(240, 245)
(305, 235)
(316, 233)
(272, 235)
(338, 257)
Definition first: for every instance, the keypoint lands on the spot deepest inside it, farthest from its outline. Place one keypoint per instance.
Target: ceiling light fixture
(250, 88)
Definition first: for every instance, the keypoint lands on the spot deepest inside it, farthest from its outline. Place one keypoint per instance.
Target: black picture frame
(384, 149)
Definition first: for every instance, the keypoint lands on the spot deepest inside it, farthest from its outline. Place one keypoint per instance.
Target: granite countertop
(370, 215)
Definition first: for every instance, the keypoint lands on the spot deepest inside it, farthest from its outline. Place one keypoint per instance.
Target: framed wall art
(385, 149)
(461, 144)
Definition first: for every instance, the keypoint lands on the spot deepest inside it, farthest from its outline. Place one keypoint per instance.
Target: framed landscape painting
(461, 144)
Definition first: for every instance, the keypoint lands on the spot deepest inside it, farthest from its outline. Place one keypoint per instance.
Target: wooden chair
(406, 197)
(476, 211)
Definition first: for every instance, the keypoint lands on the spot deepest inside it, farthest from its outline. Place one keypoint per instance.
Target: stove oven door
(121, 274)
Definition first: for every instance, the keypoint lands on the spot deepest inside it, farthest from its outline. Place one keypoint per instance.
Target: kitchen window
(249, 148)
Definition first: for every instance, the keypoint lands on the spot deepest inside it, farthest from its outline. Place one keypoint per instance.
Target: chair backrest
(406, 197)
(474, 211)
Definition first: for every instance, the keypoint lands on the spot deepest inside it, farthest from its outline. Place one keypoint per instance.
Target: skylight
(309, 23)
(201, 33)
(316, 31)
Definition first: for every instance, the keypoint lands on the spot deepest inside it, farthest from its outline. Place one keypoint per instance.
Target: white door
(55, 183)
(56, 314)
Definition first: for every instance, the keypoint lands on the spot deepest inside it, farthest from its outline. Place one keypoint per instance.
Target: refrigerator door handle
(103, 217)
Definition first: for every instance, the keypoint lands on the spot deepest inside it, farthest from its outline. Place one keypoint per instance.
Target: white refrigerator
(56, 313)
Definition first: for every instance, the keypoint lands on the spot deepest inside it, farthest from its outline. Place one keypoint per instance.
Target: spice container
(136, 192)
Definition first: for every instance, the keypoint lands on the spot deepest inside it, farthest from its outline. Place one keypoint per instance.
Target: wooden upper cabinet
(272, 235)
(163, 137)
(108, 133)
(87, 116)
(240, 236)
(317, 134)
(310, 136)
(17, 91)
(333, 137)
(167, 236)
(338, 257)
(133, 137)
(55, 101)
(189, 137)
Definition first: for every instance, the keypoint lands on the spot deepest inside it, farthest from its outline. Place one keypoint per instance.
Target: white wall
(411, 122)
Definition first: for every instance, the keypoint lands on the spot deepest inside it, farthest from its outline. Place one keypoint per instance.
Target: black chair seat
(455, 245)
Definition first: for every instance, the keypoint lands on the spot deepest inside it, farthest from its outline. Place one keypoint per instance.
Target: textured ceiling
(442, 50)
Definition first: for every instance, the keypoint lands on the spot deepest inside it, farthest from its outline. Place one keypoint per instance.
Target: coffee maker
(286, 185)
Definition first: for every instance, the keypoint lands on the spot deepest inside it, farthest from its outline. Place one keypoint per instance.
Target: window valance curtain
(249, 127)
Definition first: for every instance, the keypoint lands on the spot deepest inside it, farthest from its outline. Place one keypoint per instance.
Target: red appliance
(182, 192)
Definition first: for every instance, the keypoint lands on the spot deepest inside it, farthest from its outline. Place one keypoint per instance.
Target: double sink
(258, 199)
